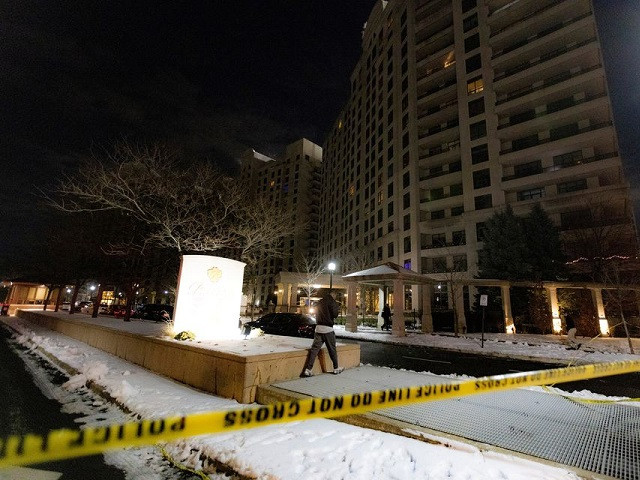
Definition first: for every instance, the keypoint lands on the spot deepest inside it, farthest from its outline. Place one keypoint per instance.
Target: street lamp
(331, 267)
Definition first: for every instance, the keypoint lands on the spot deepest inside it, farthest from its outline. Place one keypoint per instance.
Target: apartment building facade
(292, 183)
(457, 109)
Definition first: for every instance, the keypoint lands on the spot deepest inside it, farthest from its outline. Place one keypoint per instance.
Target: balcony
(548, 31)
(535, 142)
(570, 103)
(548, 82)
(554, 168)
(543, 58)
(430, 45)
(448, 148)
(439, 128)
(514, 14)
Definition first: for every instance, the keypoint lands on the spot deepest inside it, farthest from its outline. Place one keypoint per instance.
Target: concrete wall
(221, 373)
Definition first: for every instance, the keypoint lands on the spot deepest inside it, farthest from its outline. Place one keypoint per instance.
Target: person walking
(386, 316)
(327, 311)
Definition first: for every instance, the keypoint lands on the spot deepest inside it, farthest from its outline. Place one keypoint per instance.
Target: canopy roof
(385, 274)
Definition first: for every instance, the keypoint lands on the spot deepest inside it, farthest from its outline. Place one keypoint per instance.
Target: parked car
(155, 312)
(84, 307)
(120, 310)
(289, 324)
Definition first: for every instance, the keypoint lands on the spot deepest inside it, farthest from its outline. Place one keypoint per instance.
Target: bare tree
(604, 248)
(185, 206)
(311, 268)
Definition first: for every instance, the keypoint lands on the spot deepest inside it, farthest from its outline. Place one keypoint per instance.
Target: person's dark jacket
(328, 309)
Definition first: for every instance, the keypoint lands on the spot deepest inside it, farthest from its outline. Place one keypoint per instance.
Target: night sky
(212, 77)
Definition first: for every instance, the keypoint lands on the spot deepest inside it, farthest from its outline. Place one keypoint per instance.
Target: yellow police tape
(61, 444)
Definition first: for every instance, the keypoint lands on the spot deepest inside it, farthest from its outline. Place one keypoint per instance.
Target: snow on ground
(548, 348)
(315, 449)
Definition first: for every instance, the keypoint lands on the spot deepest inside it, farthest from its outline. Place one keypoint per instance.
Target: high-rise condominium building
(292, 184)
(458, 108)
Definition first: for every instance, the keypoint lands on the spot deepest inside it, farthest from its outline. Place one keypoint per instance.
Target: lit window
(475, 85)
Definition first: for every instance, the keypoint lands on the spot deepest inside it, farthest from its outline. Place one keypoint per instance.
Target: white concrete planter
(209, 296)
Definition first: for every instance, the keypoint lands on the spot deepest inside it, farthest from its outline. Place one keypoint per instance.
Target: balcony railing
(521, 19)
(553, 168)
(544, 114)
(455, 145)
(438, 108)
(590, 128)
(554, 80)
(544, 33)
(439, 128)
(443, 245)
(442, 86)
(543, 58)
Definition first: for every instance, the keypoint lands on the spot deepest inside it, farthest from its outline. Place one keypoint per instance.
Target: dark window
(405, 160)
(470, 22)
(438, 240)
(406, 179)
(472, 42)
(479, 154)
(481, 178)
(457, 211)
(389, 227)
(483, 201)
(390, 250)
(379, 253)
(476, 107)
(574, 186)
(478, 130)
(480, 231)
(406, 201)
(379, 215)
(468, 5)
(439, 264)
(389, 209)
(455, 190)
(564, 132)
(390, 190)
(560, 104)
(405, 140)
(458, 237)
(407, 244)
(568, 159)
(437, 215)
(459, 263)
(531, 194)
(473, 63)
(526, 142)
(436, 193)
(390, 170)
(529, 168)
(455, 166)
(406, 221)
(522, 117)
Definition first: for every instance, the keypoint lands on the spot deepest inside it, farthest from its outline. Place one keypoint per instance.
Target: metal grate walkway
(601, 438)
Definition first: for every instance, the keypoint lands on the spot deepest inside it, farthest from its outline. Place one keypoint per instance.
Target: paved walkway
(599, 438)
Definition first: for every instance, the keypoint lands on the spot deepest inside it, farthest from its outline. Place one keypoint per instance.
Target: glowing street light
(331, 267)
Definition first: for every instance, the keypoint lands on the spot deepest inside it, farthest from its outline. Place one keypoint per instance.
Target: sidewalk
(328, 449)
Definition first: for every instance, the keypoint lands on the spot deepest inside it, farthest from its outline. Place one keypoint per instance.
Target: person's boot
(338, 370)
(306, 373)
